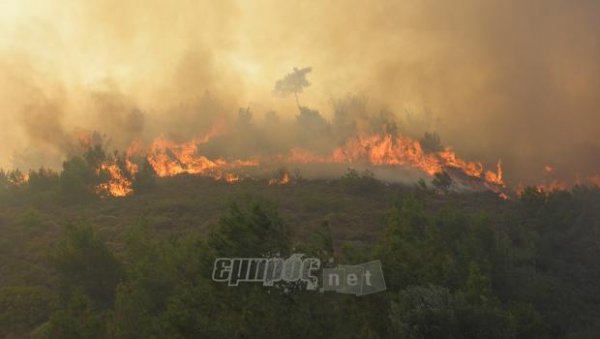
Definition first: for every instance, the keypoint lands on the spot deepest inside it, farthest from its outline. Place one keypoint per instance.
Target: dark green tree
(250, 229)
(83, 261)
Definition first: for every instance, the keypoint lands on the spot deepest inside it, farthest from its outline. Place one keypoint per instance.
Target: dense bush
(456, 266)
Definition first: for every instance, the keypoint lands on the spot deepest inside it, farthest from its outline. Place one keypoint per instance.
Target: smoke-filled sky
(510, 79)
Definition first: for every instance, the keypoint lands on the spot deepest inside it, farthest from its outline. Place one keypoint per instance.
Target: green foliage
(82, 261)
(12, 185)
(424, 312)
(144, 180)
(151, 276)
(78, 180)
(33, 221)
(440, 249)
(81, 175)
(566, 280)
(319, 244)
(77, 320)
(360, 182)
(451, 249)
(435, 312)
(532, 200)
(22, 308)
(95, 155)
(527, 321)
(249, 229)
(455, 266)
(42, 180)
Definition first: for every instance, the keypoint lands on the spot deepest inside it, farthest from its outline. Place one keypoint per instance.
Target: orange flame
(17, 178)
(117, 185)
(381, 150)
(169, 158)
(495, 178)
(385, 150)
(229, 178)
(283, 180)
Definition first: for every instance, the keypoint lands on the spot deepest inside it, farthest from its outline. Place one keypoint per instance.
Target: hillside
(139, 266)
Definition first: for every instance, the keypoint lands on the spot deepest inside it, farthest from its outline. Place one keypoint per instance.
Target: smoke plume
(495, 78)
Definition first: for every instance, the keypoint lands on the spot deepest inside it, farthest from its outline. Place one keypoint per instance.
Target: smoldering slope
(496, 79)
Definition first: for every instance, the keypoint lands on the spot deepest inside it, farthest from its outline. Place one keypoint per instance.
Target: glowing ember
(283, 180)
(229, 178)
(17, 178)
(555, 185)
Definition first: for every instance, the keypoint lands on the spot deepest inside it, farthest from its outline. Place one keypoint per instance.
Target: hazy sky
(509, 79)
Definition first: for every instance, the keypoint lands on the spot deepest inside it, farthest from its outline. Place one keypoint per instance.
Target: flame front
(390, 151)
(385, 150)
(169, 158)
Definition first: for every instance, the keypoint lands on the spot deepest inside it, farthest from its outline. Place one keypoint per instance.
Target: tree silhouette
(293, 83)
(431, 142)
(442, 181)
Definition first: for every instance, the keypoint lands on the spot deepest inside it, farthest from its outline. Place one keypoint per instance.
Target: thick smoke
(496, 79)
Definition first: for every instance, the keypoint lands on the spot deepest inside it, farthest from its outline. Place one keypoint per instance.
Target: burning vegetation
(234, 150)
(453, 142)
(166, 158)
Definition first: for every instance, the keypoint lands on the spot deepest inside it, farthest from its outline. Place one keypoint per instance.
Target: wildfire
(551, 183)
(134, 151)
(169, 158)
(386, 150)
(554, 185)
(495, 178)
(229, 178)
(18, 178)
(283, 180)
(117, 185)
